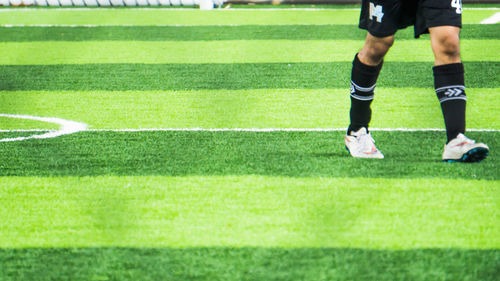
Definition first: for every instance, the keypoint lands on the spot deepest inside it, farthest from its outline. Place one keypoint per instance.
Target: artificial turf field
(148, 193)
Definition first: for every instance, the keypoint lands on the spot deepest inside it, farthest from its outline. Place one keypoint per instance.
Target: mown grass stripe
(196, 17)
(119, 77)
(242, 7)
(285, 212)
(23, 124)
(292, 108)
(263, 130)
(224, 51)
(209, 33)
(179, 17)
(291, 154)
(225, 263)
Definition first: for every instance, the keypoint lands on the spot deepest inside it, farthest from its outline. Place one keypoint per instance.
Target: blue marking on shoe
(474, 155)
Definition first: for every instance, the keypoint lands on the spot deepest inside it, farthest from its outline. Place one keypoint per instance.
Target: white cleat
(462, 149)
(361, 145)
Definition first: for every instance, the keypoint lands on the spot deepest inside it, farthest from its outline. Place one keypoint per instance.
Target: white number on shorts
(376, 11)
(458, 5)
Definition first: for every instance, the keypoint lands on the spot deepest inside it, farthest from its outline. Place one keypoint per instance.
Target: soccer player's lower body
(443, 20)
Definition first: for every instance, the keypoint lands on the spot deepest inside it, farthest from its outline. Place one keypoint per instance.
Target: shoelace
(469, 140)
(465, 140)
(366, 142)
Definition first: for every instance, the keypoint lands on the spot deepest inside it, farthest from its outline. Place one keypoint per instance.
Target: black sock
(450, 90)
(363, 81)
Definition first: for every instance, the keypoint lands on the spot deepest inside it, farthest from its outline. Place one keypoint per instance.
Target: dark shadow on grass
(164, 77)
(290, 154)
(225, 263)
(330, 155)
(211, 33)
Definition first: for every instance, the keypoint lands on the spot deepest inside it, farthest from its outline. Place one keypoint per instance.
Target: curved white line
(67, 127)
(492, 20)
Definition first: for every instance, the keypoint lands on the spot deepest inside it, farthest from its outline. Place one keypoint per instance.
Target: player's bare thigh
(445, 43)
(374, 49)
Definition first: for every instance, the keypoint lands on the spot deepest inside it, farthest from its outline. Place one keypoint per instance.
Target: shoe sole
(346, 148)
(474, 155)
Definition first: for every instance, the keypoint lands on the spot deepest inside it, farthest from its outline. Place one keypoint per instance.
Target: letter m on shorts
(376, 11)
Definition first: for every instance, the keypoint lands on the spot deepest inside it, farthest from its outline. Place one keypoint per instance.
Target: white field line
(70, 127)
(492, 20)
(261, 130)
(67, 127)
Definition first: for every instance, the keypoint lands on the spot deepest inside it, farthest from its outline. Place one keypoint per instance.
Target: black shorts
(384, 17)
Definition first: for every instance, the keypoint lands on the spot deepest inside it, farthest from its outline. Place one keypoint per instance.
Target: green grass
(15, 123)
(212, 33)
(265, 108)
(290, 154)
(121, 77)
(163, 205)
(221, 263)
(232, 51)
(196, 17)
(289, 212)
(179, 17)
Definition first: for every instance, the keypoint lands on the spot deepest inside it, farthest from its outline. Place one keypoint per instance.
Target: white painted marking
(67, 127)
(263, 130)
(492, 20)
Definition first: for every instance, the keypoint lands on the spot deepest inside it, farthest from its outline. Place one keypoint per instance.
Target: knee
(449, 45)
(381, 46)
(375, 48)
(447, 49)
(387, 42)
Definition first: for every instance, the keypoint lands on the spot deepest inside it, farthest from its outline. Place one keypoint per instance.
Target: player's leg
(380, 19)
(374, 49)
(450, 89)
(366, 67)
(365, 70)
(449, 77)
(445, 43)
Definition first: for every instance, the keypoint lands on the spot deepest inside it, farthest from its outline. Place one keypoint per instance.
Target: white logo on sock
(453, 92)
